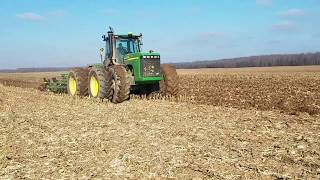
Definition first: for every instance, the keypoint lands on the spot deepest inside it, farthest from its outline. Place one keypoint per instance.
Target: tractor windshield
(126, 46)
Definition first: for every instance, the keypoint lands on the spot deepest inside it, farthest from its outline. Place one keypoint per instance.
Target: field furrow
(56, 136)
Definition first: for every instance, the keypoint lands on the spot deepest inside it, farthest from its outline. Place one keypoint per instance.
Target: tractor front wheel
(97, 82)
(77, 82)
(119, 84)
(169, 85)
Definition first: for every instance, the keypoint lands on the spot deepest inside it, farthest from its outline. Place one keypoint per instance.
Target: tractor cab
(125, 45)
(118, 46)
(125, 50)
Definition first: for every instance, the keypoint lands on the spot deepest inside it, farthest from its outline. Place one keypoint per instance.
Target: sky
(65, 33)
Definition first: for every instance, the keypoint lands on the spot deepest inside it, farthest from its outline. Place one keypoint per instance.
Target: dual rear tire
(110, 83)
(77, 82)
(97, 82)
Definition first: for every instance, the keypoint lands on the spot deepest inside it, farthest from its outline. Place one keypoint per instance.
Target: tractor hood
(145, 66)
(151, 55)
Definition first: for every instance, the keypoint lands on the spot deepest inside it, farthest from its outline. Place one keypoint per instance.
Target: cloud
(284, 26)
(203, 37)
(58, 13)
(264, 2)
(147, 14)
(211, 35)
(292, 13)
(317, 35)
(194, 11)
(29, 16)
(273, 42)
(112, 12)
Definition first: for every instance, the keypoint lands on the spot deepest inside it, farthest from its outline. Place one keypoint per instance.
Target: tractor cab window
(107, 50)
(126, 46)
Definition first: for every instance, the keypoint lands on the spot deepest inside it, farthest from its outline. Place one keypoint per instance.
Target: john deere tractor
(124, 69)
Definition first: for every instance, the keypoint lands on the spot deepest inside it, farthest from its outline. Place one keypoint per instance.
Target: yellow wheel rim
(72, 86)
(94, 86)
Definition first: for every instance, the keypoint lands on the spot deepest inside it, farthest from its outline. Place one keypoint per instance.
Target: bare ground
(56, 136)
(291, 90)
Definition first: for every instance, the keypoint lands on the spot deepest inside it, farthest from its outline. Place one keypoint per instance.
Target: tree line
(256, 61)
(252, 61)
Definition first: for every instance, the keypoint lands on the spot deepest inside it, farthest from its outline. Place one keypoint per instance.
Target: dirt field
(56, 136)
(292, 90)
(289, 89)
(248, 123)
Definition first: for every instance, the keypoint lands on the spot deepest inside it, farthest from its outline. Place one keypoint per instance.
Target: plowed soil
(291, 90)
(248, 123)
(288, 89)
(56, 136)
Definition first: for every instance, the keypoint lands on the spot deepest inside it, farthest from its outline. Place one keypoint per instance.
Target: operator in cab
(121, 51)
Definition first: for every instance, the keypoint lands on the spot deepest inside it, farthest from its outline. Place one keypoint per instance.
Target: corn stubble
(225, 125)
(43, 135)
(290, 90)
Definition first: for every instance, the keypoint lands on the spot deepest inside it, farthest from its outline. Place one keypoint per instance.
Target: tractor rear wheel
(169, 85)
(78, 82)
(97, 82)
(119, 84)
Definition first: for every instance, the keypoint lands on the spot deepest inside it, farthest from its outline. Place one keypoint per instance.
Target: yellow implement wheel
(94, 86)
(72, 86)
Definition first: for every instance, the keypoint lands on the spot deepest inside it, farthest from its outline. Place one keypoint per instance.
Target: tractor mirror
(104, 37)
(101, 52)
(140, 40)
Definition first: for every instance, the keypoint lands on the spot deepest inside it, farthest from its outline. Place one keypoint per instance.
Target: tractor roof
(129, 35)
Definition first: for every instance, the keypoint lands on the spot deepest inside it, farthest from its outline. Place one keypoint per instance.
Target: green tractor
(124, 69)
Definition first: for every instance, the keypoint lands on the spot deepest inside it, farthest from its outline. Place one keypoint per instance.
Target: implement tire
(119, 84)
(78, 82)
(169, 85)
(97, 82)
